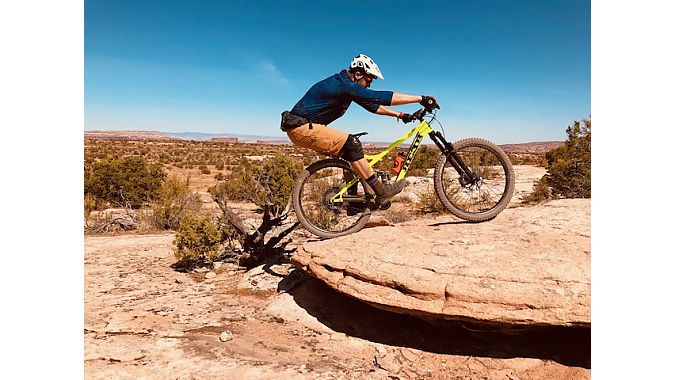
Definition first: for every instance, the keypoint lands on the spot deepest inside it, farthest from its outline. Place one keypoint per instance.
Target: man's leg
(339, 144)
(384, 192)
(352, 151)
(319, 138)
(362, 168)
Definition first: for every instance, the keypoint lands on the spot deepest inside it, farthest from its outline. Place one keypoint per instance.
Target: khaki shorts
(320, 138)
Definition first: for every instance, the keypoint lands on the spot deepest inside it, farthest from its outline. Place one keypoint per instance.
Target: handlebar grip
(430, 103)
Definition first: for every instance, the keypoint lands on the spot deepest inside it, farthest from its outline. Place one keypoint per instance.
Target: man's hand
(429, 102)
(405, 117)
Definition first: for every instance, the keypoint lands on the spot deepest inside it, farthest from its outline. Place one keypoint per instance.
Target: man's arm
(382, 110)
(399, 98)
(378, 109)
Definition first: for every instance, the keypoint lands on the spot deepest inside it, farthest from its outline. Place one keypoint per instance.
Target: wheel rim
(484, 194)
(317, 208)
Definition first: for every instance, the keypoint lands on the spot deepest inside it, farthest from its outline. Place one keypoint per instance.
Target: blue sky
(508, 71)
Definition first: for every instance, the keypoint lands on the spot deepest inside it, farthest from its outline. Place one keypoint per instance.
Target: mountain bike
(473, 179)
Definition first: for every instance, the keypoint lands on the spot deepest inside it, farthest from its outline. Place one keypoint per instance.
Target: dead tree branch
(231, 217)
(125, 223)
(255, 249)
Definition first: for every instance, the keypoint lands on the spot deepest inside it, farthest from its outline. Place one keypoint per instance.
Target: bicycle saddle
(358, 135)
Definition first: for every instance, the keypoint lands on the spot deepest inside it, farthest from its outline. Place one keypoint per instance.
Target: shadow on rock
(570, 346)
(451, 223)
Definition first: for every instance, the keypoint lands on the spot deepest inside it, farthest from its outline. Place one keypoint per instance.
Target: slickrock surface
(528, 266)
(142, 319)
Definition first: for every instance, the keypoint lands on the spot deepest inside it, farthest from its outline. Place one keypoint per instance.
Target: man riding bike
(307, 123)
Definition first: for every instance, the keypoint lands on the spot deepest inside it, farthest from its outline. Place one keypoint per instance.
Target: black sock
(375, 184)
(372, 180)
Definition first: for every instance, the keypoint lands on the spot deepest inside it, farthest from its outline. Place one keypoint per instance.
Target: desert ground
(143, 319)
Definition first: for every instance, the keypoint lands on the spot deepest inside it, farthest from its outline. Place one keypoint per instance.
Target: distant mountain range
(152, 135)
(529, 147)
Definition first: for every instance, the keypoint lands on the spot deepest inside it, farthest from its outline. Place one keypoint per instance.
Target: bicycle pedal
(385, 206)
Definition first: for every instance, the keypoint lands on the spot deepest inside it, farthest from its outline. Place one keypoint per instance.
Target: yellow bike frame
(420, 132)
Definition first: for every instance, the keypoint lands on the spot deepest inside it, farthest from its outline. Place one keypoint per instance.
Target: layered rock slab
(528, 266)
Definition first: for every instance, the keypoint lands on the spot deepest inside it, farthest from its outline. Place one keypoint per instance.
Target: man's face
(366, 80)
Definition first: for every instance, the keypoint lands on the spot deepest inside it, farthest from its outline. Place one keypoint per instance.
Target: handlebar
(419, 114)
(429, 105)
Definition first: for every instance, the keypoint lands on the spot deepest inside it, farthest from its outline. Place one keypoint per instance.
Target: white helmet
(366, 63)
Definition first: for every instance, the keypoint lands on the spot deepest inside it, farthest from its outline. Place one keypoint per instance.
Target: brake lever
(419, 114)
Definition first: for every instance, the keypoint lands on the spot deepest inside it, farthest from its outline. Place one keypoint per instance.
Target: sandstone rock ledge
(528, 266)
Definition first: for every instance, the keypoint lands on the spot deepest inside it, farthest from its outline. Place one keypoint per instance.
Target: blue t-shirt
(328, 99)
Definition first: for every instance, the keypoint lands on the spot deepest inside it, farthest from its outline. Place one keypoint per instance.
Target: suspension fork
(453, 157)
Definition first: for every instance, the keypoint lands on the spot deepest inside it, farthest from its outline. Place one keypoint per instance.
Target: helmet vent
(365, 62)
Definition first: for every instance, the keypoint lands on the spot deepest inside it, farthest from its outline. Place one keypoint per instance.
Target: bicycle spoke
(318, 206)
(486, 192)
(490, 188)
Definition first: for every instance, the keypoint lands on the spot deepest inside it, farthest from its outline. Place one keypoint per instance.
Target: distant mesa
(225, 139)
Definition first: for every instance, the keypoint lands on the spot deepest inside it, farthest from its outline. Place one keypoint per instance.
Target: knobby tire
(449, 191)
(302, 195)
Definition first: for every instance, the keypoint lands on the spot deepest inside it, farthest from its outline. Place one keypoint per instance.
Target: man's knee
(352, 149)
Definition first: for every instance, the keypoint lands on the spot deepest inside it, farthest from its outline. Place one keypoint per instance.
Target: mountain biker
(307, 122)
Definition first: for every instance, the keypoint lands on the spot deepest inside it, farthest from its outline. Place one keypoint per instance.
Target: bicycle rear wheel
(315, 210)
(481, 200)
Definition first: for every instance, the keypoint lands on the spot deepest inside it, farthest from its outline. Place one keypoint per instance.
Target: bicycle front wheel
(480, 200)
(315, 207)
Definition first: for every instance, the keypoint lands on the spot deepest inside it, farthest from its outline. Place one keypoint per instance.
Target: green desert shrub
(235, 186)
(541, 192)
(91, 203)
(198, 240)
(268, 182)
(426, 158)
(429, 204)
(532, 159)
(128, 181)
(569, 166)
(175, 200)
